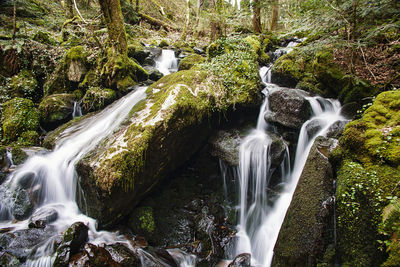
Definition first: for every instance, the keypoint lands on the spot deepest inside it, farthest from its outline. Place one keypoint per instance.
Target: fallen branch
(156, 22)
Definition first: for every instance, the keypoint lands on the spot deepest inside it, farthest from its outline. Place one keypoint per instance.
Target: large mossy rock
(289, 108)
(189, 61)
(69, 72)
(162, 133)
(24, 84)
(313, 69)
(307, 230)
(19, 116)
(367, 164)
(56, 109)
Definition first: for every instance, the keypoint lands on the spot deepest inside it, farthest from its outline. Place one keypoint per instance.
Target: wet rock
(21, 243)
(5, 162)
(22, 206)
(226, 145)
(27, 180)
(154, 53)
(241, 260)
(336, 129)
(289, 108)
(56, 109)
(307, 229)
(74, 238)
(137, 51)
(95, 256)
(313, 127)
(123, 255)
(349, 110)
(43, 216)
(154, 74)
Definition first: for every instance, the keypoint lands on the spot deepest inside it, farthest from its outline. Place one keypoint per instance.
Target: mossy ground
(368, 175)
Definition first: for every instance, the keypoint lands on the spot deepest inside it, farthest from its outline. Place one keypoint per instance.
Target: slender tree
(256, 16)
(275, 15)
(69, 9)
(187, 21)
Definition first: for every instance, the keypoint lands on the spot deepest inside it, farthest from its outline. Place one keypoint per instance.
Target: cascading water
(259, 222)
(53, 176)
(167, 63)
(77, 112)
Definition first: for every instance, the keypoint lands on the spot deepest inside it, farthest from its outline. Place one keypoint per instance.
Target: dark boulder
(22, 207)
(74, 238)
(289, 108)
(336, 129)
(307, 230)
(123, 255)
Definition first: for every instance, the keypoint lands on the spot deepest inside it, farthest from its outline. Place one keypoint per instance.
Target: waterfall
(260, 222)
(53, 175)
(167, 63)
(77, 112)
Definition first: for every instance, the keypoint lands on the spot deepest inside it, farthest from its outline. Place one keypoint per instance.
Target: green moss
(390, 227)
(189, 61)
(19, 115)
(97, 98)
(368, 174)
(91, 80)
(163, 43)
(44, 38)
(121, 72)
(29, 138)
(56, 108)
(19, 156)
(24, 84)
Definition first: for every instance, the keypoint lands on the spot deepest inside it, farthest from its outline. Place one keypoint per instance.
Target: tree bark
(275, 15)
(187, 20)
(256, 16)
(137, 6)
(112, 13)
(69, 9)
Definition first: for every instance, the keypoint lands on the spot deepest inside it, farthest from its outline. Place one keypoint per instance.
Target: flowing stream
(53, 178)
(259, 221)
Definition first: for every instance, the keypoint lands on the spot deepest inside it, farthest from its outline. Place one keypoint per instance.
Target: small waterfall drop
(77, 112)
(167, 63)
(260, 222)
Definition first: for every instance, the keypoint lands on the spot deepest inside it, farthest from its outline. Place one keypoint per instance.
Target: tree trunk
(275, 16)
(137, 6)
(115, 24)
(187, 20)
(256, 16)
(69, 9)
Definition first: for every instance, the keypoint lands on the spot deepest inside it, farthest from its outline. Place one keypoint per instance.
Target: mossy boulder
(25, 85)
(25, 8)
(189, 61)
(162, 134)
(69, 72)
(56, 109)
(307, 230)
(367, 163)
(19, 116)
(121, 73)
(97, 98)
(137, 51)
(44, 38)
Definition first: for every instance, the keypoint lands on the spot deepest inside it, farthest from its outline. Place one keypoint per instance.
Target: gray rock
(226, 145)
(76, 71)
(241, 260)
(22, 207)
(123, 255)
(289, 108)
(43, 216)
(336, 129)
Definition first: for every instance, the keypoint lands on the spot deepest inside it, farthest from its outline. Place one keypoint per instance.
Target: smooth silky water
(259, 220)
(55, 177)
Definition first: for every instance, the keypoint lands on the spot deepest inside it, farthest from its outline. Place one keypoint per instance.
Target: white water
(259, 223)
(77, 109)
(167, 63)
(56, 179)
